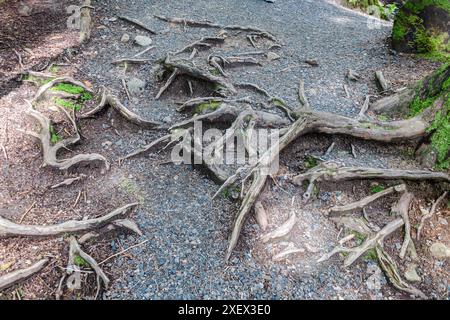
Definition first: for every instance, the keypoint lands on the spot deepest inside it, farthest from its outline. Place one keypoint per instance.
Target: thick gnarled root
(361, 204)
(108, 99)
(11, 229)
(73, 269)
(50, 150)
(14, 277)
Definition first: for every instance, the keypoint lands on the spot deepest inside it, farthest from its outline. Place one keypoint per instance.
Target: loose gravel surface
(186, 233)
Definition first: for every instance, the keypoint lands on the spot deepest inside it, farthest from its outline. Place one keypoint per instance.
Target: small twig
(124, 84)
(302, 96)
(364, 107)
(123, 251)
(144, 51)
(167, 84)
(27, 211)
(77, 199)
(68, 182)
(347, 93)
(250, 39)
(130, 60)
(353, 150)
(19, 57)
(330, 149)
(5, 154)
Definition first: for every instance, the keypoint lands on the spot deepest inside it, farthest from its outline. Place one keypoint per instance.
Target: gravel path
(188, 233)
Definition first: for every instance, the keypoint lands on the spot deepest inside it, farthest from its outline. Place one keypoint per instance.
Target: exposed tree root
(73, 269)
(186, 67)
(390, 269)
(19, 275)
(136, 22)
(281, 231)
(332, 172)
(259, 180)
(68, 182)
(112, 101)
(168, 83)
(130, 61)
(302, 96)
(382, 81)
(56, 81)
(398, 101)
(261, 216)
(430, 214)
(290, 250)
(370, 243)
(359, 205)
(205, 42)
(50, 150)
(207, 24)
(11, 229)
(402, 208)
(119, 223)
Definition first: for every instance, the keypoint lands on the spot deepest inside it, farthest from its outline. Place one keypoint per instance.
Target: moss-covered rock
(423, 26)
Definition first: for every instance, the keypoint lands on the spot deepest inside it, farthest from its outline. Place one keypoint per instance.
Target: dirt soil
(185, 234)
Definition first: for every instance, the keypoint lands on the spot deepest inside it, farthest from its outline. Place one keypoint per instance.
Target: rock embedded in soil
(411, 273)
(440, 251)
(125, 38)
(143, 41)
(136, 86)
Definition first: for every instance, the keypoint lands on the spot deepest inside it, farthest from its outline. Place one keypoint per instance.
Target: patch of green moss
(54, 69)
(72, 89)
(207, 106)
(359, 237)
(427, 94)
(377, 188)
(69, 88)
(68, 104)
(371, 255)
(419, 104)
(310, 162)
(440, 138)
(80, 262)
(228, 192)
(54, 137)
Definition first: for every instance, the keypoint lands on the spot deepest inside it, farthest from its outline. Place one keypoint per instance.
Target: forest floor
(185, 234)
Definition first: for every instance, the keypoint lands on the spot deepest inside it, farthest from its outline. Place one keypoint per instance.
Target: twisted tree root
(359, 205)
(370, 243)
(332, 172)
(205, 42)
(56, 81)
(112, 101)
(19, 275)
(11, 229)
(390, 269)
(73, 269)
(50, 151)
(186, 67)
(207, 24)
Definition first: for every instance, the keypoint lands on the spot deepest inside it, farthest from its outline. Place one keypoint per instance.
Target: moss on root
(72, 89)
(433, 89)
